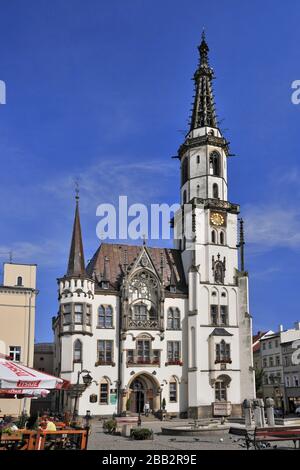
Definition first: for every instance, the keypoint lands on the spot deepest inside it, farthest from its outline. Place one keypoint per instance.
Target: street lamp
(87, 380)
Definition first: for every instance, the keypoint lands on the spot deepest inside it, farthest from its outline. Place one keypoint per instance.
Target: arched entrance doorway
(143, 388)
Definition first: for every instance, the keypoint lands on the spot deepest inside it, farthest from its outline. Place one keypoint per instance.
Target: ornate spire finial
(204, 108)
(77, 190)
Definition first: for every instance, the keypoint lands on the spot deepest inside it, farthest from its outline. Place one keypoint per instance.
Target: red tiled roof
(115, 255)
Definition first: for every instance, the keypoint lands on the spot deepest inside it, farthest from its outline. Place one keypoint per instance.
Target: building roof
(111, 260)
(220, 332)
(76, 265)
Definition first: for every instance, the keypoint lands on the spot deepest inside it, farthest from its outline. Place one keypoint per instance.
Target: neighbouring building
(17, 320)
(290, 352)
(257, 361)
(44, 361)
(157, 324)
(277, 356)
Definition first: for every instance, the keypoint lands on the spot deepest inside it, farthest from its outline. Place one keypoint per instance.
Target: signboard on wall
(221, 408)
(113, 398)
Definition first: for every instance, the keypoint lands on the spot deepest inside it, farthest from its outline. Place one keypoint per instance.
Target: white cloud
(272, 226)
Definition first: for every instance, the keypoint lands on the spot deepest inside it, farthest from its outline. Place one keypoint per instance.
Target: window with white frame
(15, 353)
(88, 314)
(105, 351)
(220, 390)
(223, 352)
(66, 309)
(78, 313)
(173, 391)
(77, 354)
(173, 351)
(105, 316)
(104, 392)
(173, 318)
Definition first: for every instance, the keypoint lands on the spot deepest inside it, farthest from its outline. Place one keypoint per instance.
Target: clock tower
(206, 231)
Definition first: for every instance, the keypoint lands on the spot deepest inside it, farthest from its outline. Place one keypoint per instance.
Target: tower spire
(76, 265)
(204, 107)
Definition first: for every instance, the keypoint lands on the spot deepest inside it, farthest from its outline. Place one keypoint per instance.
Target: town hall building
(168, 327)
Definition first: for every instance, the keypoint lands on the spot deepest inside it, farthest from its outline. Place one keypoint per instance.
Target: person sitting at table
(47, 424)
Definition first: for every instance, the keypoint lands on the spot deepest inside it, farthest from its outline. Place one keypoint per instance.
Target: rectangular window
(277, 361)
(287, 381)
(66, 308)
(270, 344)
(220, 391)
(271, 362)
(15, 353)
(173, 350)
(104, 394)
(214, 314)
(264, 346)
(78, 312)
(296, 381)
(224, 315)
(130, 356)
(88, 315)
(265, 362)
(173, 392)
(143, 351)
(276, 343)
(105, 351)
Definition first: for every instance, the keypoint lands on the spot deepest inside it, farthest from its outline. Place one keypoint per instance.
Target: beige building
(17, 319)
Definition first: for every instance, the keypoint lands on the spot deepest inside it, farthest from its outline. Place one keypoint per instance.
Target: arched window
(198, 190)
(211, 132)
(173, 318)
(213, 236)
(104, 392)
(173, 390)
(77, 352)
(105, 316)
(215, 191)
(184, 171)
(223, 352)
(198, 159)
(222, 238)
(19, 281)
(184, 197)
(215, 164)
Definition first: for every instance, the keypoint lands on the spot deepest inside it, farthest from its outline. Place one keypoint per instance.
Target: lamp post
(160, 401)
(87, 380)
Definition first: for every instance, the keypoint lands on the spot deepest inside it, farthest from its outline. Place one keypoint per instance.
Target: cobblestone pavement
(98, 440)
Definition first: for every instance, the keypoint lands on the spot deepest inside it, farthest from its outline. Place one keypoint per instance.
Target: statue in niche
(219, 268)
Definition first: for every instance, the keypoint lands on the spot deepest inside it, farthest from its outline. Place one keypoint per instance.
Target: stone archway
(142, 387)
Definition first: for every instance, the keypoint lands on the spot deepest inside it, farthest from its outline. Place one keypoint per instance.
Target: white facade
(156, 325)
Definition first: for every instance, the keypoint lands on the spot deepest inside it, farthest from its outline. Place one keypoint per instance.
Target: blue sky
(102, 91)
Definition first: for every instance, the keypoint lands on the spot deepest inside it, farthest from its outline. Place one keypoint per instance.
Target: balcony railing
(174, 362)
(144, 361)
(225, 360)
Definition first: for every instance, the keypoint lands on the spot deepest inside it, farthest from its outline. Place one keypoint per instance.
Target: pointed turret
(204, 108)
(76, 266)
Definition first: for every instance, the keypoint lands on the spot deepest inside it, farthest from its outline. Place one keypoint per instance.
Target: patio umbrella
(19, 377)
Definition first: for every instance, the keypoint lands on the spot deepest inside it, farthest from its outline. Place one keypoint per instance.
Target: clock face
(217, 219)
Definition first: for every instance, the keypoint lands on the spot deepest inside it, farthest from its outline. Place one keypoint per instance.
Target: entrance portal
(143, 389)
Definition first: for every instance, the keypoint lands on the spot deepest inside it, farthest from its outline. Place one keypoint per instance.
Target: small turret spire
(76, 265)
(204, 108)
